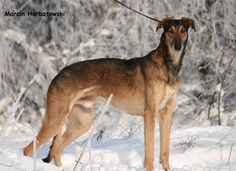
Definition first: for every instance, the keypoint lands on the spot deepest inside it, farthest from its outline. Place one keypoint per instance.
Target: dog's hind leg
(56, 143)
(57, 109)
(79, 121)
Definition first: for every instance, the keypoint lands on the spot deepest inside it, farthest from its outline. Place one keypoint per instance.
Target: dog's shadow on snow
(128, 153)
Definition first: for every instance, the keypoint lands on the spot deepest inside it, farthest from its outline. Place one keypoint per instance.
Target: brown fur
(145, 86)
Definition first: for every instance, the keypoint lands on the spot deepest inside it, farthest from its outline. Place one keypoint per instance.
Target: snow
(195, 149)
(30, 57)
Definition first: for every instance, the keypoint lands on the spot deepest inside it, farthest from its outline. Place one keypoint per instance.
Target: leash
(154, 19)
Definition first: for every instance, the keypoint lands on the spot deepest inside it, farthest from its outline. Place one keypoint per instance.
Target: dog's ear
(189, 22)
(163, 22)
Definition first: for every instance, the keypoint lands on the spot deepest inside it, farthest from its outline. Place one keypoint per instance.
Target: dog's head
(176, 31)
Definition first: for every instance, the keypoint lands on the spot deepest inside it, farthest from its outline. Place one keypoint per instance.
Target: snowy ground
(197, 148)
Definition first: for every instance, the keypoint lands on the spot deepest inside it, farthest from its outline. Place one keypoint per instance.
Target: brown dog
(145, 86)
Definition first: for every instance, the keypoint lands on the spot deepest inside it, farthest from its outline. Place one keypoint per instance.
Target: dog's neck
(172, 59)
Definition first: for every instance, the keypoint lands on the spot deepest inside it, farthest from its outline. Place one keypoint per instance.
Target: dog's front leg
(149, 129)
(165, 119)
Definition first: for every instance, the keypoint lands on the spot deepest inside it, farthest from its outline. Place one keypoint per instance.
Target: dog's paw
(148, 165)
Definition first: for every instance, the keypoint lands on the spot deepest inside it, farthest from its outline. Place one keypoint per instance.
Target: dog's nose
(177, 46)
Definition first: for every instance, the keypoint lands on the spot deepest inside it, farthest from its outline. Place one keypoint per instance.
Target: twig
(210, 105)
(16, 105)
(225, 135)
(192, 97)
(230, 153)
(221, 86)
(94, 128)
(35, 149)
(24, 5)
(21, 112)
(24, 91)
(35, 141)
(34, 152)
(168, 6)
(221, 57)
(90, 159)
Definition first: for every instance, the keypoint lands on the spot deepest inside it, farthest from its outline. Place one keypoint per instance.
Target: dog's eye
(183, 30)
(170, 31)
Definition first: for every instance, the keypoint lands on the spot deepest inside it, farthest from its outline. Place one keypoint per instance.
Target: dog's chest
(170, 91)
